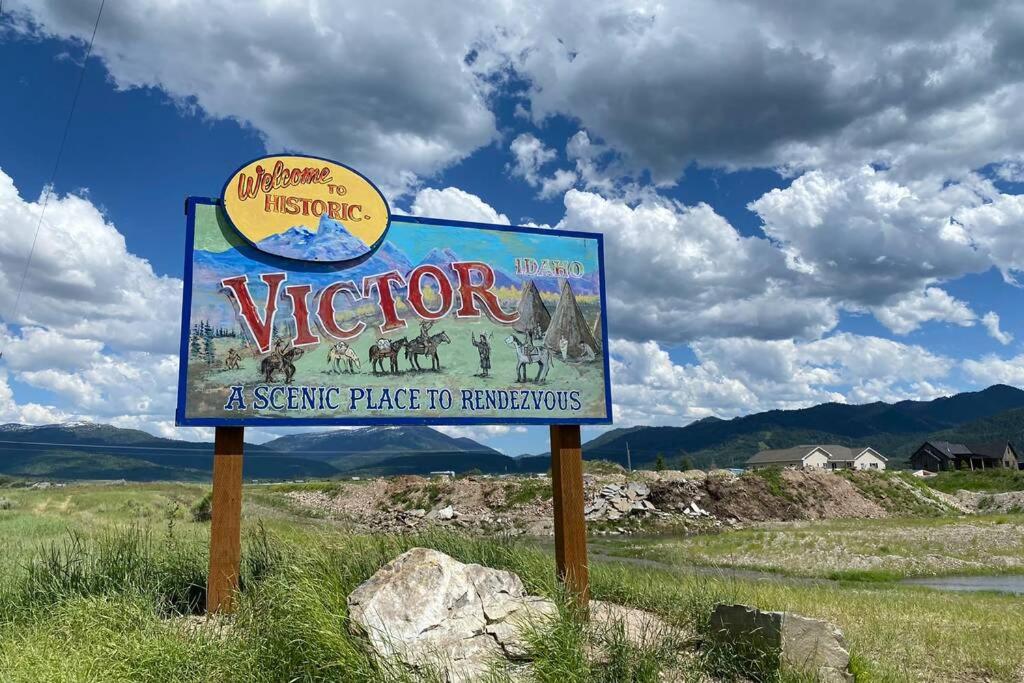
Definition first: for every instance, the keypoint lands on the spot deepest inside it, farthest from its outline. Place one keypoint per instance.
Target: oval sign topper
(306, 208)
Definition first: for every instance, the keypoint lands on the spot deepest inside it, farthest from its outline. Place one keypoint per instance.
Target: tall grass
(123, 606)
(982, 481)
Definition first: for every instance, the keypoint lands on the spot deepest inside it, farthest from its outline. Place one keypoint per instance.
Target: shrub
(602, 467)
(202, 511)
(527, 491)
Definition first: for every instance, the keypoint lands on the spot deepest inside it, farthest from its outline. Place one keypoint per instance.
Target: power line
(56, 163)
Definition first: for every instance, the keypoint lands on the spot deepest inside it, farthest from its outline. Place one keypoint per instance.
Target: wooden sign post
(226, 522)
(570, 526)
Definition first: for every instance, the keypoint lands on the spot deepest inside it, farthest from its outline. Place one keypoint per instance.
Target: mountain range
(445, 257)
(894, 429)
(81, 450)
(330, 242)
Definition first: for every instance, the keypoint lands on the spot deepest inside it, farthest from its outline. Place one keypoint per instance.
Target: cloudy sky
(802, 201)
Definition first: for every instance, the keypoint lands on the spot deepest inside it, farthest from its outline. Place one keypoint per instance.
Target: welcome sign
(280, 204)
(307, 302)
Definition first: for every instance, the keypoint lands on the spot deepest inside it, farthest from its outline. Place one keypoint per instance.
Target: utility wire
(56, 164)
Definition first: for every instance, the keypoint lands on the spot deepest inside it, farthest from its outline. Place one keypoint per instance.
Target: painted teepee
(596, 331)
(532, 311)
(569, 324)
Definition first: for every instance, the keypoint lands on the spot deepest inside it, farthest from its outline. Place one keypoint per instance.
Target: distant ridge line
(199, 444)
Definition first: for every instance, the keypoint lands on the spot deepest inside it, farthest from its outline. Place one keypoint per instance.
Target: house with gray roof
(937, 456)
(820, 457)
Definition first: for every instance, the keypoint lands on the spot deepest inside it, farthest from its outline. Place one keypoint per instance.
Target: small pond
(1001, 584)
(1012, 583)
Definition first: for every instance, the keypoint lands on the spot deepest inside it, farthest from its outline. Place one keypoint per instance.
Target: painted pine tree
(208, 354)
(195, 348)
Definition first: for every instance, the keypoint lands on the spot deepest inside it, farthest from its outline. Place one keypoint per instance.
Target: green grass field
(863, 549)
(97, 584)
(983, 481)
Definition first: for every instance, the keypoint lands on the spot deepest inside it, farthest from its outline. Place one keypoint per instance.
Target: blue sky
(796, 208)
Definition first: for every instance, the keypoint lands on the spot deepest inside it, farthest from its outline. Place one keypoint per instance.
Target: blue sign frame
(181, 419)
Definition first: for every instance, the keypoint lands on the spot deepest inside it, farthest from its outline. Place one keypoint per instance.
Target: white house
(821, 457)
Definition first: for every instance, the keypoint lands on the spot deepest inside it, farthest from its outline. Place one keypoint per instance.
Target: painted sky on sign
(497, 247)
(791, 216)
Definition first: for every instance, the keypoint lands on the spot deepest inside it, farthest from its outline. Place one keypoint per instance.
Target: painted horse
(426, 347)
(280, 361)
(527, 355)
(341, 352)
(378, 352)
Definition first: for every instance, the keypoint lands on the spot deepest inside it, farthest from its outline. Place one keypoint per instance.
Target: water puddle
(1013, 584)
(1000, 584)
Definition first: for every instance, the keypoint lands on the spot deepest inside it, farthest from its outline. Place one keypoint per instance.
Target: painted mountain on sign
(589, 284)
(331, 242)
(446, 256)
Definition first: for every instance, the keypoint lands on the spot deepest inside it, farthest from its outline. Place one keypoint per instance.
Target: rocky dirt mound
(768, 495)
(691, 501)
(1012, 501)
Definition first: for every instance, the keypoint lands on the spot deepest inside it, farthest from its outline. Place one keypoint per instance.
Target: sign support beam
(226, 521)
(570, 526)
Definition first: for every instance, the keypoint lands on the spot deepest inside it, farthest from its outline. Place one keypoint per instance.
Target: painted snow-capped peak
(331, 242)
(440, 257)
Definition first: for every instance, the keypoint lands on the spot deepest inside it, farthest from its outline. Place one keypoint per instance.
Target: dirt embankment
(1010, 501)
(783, 496)
(620, 503)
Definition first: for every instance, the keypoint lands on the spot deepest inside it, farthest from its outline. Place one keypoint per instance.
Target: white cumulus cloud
(991, 322)
(451, 202)
(388, 88)
(740, 375)
(908, 313)
(677, 273)
(82, 280)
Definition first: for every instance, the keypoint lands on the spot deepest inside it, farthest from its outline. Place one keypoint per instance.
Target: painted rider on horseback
(534, 339)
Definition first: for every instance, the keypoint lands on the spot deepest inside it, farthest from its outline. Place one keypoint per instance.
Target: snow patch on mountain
(330, 242)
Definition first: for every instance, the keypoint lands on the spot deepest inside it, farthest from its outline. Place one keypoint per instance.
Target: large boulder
(800, 644)
(427, 609)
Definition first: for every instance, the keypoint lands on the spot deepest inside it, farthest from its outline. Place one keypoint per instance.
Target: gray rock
(622, 505)
(638, 489)
(698, 511)
(446, 513)
(510, 621)
(428, 610)
(802, 644)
